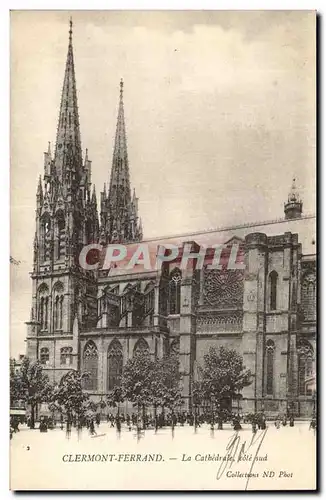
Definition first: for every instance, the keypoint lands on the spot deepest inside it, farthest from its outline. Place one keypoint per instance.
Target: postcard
(163, 251)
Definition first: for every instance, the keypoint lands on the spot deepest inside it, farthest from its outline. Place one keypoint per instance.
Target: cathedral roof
(304, 227)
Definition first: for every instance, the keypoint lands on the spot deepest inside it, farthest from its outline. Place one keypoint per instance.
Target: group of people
(144, 420)
(149, 420)
(283, 421)
(165, 419)
(14, 425)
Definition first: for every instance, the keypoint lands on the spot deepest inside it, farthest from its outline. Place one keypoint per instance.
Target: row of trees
(146, 383)
(149, 383)
(30, 385)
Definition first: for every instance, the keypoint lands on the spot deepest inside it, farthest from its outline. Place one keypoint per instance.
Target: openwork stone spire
(68, 154)
(119, 211)
(119, 190)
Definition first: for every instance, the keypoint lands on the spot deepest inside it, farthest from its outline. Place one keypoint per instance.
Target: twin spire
(119, 211)
(120, 164)
(68, 153)
(119, 218)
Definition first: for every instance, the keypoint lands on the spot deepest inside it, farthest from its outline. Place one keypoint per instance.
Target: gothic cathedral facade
(95, 320)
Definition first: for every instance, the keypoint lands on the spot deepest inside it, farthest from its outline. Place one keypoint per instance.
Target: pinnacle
(39, 188)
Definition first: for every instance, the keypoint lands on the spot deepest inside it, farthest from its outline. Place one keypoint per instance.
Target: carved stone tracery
(219, 322)
(223, 288)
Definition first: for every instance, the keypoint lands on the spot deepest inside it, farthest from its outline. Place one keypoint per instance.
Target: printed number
(28, 448)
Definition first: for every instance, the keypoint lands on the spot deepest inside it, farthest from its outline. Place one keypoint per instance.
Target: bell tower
(66, 220)
(293, 207)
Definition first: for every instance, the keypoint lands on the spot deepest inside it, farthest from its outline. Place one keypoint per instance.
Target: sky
(219, 108)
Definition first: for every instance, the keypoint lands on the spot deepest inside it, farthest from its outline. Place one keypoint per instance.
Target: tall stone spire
(293, 207)
(68, 154)
(119, 190)
(119, 211)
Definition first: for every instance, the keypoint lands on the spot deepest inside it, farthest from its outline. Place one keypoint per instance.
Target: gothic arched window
(44, 356)
(149, 301)
(305, 366)
(308, 297)
(90, 366)
(175, 291)
(141, 347)
(270, 351)
(66, 356)
(58, 306)
(43, 306)
(273, 279)
(115, 364)
(60, 234)
(46, 236)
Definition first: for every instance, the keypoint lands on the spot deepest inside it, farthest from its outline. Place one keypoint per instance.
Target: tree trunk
(155, 417)
(138, 411)
(32, 416)
(118, 419)
(144, 418)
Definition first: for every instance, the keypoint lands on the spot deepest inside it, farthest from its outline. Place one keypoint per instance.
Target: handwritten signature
(237, 450)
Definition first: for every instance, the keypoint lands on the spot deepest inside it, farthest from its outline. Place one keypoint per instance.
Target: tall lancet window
(90, 366)
(305, 366)
(66, 356)
(308, 296)
(60, 235)
(270, 352)
(273, 279)
(115, 364)
(44, 356)
(46, 236)
(43, 306)
(150, 301)
(175, 291)
(58, 299)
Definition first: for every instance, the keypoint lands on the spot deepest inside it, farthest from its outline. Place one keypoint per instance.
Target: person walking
(118, 423)
(92, 427)
(254, 426)
(313, 424)
(277, 422)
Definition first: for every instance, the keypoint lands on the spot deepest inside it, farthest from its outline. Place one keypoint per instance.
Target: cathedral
(95, 320)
